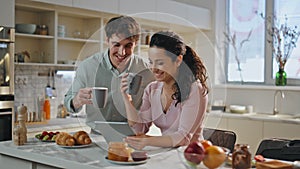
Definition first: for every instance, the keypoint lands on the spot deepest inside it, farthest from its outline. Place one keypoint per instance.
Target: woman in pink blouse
(176, 102)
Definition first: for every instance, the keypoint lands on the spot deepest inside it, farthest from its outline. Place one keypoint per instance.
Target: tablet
(113, 131)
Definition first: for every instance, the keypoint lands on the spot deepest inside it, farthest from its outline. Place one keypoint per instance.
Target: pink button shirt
(181, 122)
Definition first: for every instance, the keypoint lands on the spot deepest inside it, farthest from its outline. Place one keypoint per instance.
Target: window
(290, 9)
(249, 57)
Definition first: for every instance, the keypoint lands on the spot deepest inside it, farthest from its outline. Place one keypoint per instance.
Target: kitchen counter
(70, 124)
(36, 154)
(282, 118)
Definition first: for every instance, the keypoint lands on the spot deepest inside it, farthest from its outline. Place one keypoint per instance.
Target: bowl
(25, 28)
(237, 109)
(190, 165)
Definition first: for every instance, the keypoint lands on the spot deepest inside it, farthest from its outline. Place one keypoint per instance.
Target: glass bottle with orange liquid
(47, 108)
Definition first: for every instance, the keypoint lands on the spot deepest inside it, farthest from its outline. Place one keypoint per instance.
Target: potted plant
(283, 39)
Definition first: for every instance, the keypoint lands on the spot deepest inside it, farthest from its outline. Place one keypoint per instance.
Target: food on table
(82, 138)
(259, 158)
(65, 139)
(214, 157)
(118, 151)
(206, 144)
(194, 152)
(229, 161)
(139, 155)
(79, 138)
(47, 136)
(273, 164)
(241, 157)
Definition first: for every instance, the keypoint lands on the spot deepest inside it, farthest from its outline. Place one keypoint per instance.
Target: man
(106, 70)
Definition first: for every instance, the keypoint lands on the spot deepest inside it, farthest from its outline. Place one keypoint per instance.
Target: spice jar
(44, 30)
(241, 157)
(118, 151)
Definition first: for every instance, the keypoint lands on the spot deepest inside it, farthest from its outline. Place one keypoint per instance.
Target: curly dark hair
(190, 70)
(123, 25)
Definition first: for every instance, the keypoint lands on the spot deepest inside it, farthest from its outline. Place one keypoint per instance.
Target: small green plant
(283, 38)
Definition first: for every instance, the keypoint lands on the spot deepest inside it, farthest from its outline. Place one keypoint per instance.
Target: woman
(176, 101)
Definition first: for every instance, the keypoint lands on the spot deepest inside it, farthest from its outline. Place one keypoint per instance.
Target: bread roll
(65, 139)
(118, 151)
(82, 138)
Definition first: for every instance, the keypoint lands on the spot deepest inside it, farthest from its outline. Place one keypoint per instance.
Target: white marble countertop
(89, 157)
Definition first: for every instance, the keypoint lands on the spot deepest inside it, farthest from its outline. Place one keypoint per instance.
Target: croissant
(65, 139)
(82, 138)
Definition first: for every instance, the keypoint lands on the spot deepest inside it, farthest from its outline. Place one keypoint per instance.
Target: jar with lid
(38, 29)
(241, 157)
(43, 30)
(118, 151)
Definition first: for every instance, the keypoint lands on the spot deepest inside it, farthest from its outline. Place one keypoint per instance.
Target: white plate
(76, 146)
(126, 163)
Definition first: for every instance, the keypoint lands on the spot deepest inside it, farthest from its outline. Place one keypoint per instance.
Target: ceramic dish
(126, 162)
(76, 146)
(237, 109)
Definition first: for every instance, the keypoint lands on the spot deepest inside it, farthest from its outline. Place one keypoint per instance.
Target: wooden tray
(273, 164)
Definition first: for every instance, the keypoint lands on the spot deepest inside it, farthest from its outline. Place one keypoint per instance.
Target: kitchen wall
(29, 85)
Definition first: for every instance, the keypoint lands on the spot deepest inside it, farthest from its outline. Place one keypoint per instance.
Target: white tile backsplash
(34, 85)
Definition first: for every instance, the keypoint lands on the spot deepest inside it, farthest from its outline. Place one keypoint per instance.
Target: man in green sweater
(105, 70)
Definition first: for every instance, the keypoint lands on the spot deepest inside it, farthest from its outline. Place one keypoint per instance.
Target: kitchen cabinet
(169, 11)
(13, 163)
(7, 13)
(40, 47)
(81, 39)
(146, 9)
(215, 122)
(248, 132)
(111, 6)
(83, 33)
(57, 2)
(16, 163)
(183, 14)
(199, 17)
(281, 130)
(253, 131)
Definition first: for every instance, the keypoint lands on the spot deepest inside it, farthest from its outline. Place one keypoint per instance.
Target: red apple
(194, 152)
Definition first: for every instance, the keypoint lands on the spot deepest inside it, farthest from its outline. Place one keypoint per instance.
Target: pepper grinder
(20, 132)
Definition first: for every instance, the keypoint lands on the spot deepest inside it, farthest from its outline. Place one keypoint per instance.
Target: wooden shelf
(34, 36)
(78, 40)
(46, 64)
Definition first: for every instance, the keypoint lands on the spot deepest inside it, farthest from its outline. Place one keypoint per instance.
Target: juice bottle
(47, 109)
